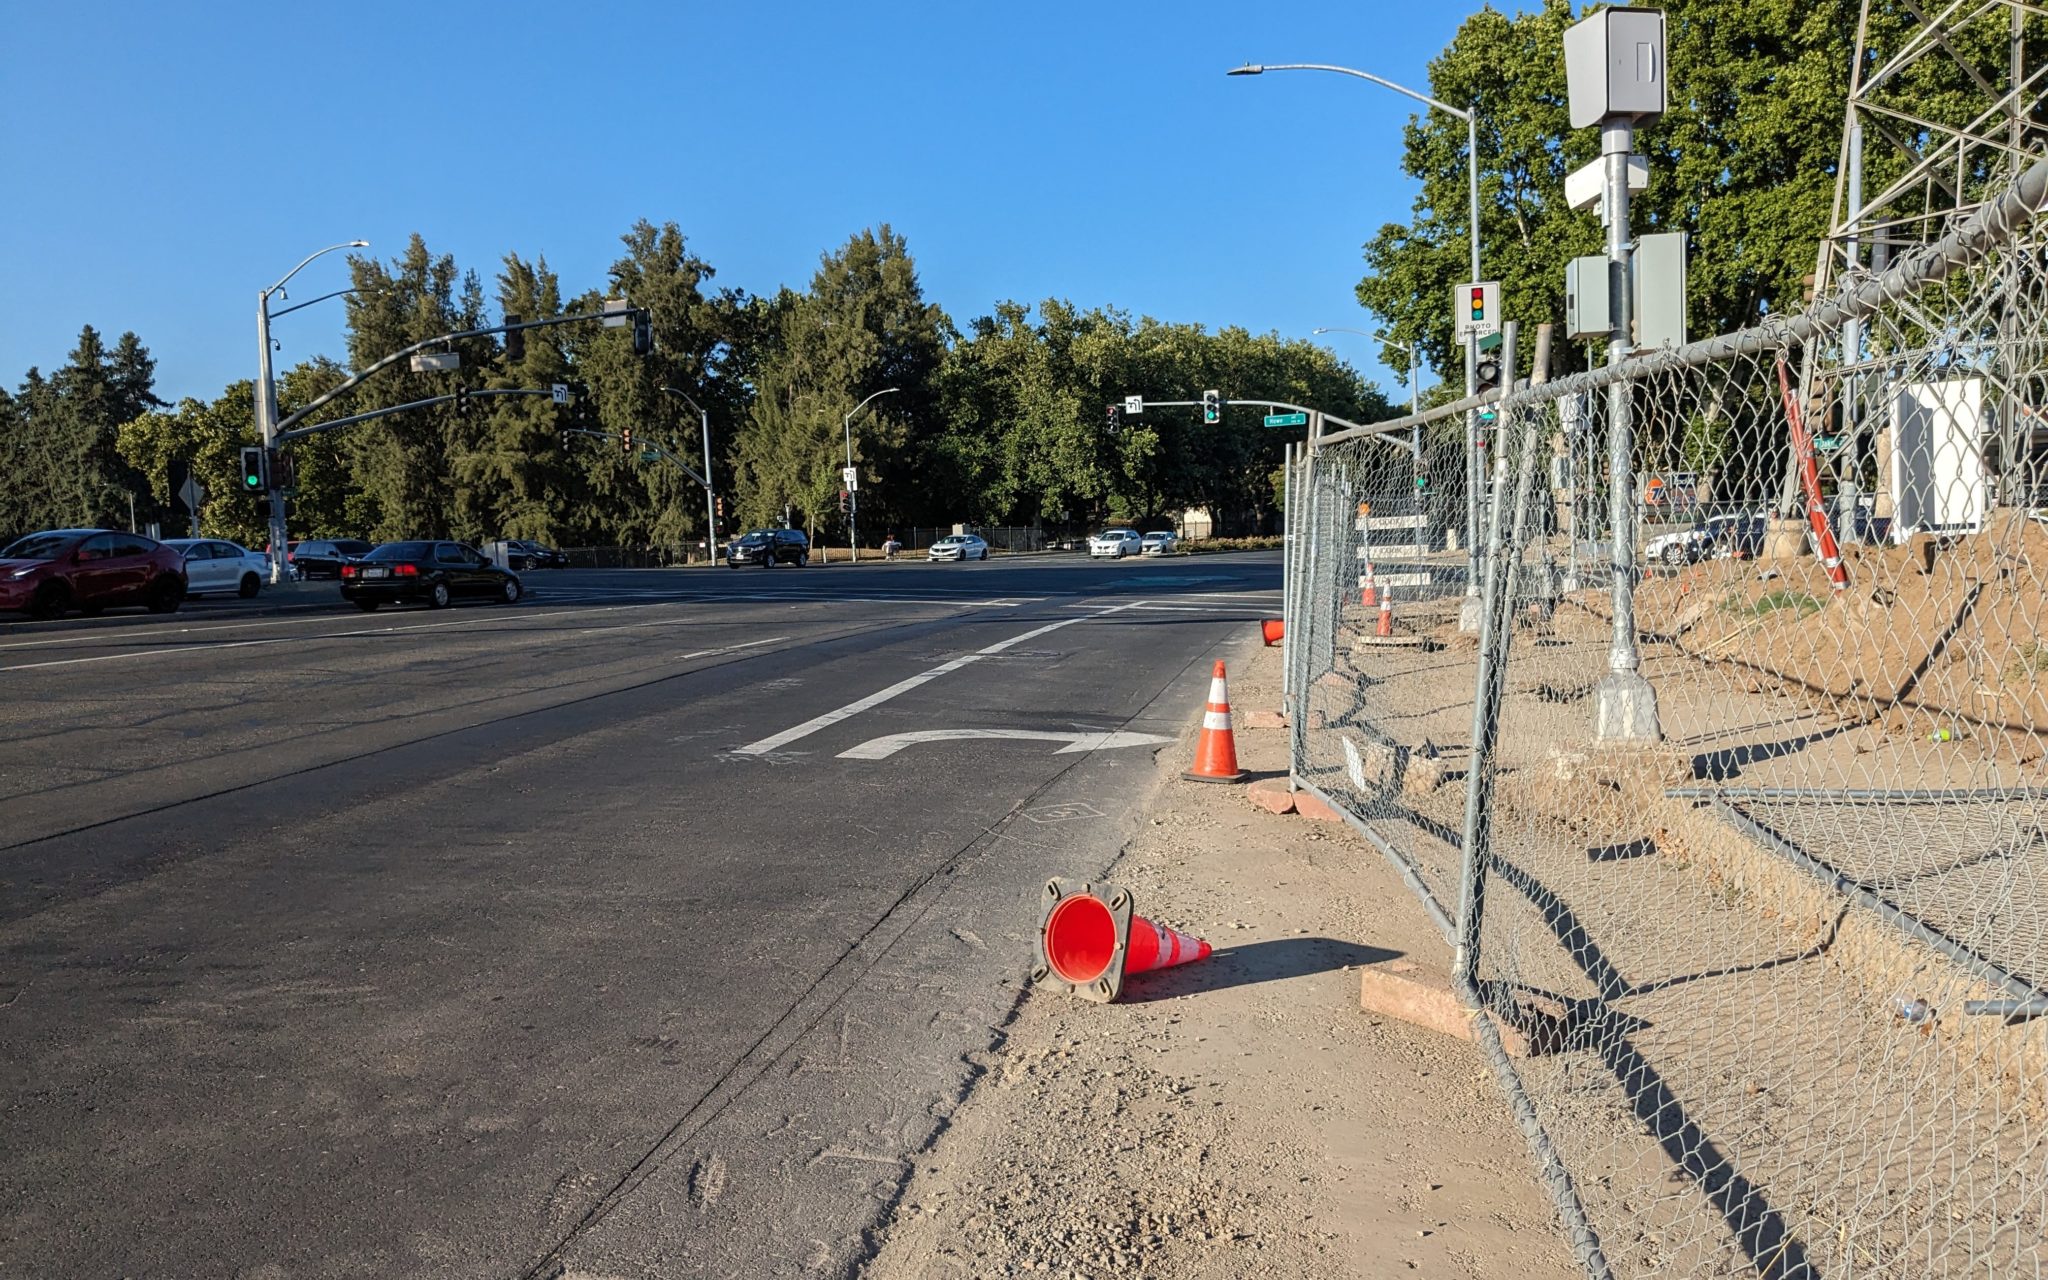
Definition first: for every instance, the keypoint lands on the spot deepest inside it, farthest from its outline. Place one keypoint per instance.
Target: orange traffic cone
(1273, 631)
(1386, 626)
(1216, 751)
(1369, 592)
(1089, 938)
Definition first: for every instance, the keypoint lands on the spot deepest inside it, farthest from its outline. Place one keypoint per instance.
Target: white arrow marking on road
(883, 748)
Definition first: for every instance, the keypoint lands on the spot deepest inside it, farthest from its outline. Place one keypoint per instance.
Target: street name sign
(1286, 419)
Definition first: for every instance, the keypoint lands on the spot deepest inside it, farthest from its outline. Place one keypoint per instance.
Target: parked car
(1116, 543)
(1739, 536)
(521, 554)
(46, 573)
(961, 546)
(323, 557)
(768, 547)
(432, 573)
(212, 565)
(1162, 543)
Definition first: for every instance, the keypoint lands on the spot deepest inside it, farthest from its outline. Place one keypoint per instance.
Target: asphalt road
(643, 928)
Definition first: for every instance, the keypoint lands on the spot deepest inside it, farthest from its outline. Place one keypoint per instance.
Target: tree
(1744, 162)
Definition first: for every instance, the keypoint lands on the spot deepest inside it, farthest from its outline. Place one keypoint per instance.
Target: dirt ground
(1240, 1116)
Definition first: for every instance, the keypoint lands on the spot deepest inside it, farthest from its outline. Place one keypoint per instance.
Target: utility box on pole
(1586, 313)
(1659, 282)
(1614, 66)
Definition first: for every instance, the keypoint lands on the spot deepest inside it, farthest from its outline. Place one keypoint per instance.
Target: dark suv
(323, 557)
(767, 547)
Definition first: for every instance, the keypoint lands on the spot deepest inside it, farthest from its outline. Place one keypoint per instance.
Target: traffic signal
(1421, 483)
(252, 469)
(1212, 406)
(626, 440)
(843, 502)
(643, 333)
(1115, 417)
(515, 340)
(1478, 303)
(462, 402)
(565, 439)
(285, 471)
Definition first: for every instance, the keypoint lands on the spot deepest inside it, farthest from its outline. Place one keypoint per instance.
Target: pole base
(1468, 614)
(1625, 709)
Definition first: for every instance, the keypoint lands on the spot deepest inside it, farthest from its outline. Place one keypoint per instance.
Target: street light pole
(266, 407)
(853, 490)
(710, 496)
(1473, 467)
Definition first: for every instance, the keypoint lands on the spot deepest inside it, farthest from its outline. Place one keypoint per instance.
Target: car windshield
(756, 538)
(37, 546)
(351, 546)
(1157, 537)
(949, 542)
(403, 551)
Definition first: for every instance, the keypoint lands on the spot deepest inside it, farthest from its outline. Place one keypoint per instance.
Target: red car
(46, 573)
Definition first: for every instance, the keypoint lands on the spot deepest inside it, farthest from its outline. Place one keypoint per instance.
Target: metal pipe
(1564, 1196)
(1851, 795)
(1493, 630)
(2018, 1010)
(1402, 864)
(1993, 224)
(1979, 966)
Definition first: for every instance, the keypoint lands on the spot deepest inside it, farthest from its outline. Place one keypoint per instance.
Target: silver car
(961, 546)
(217, 566)
(1115, 543)
(1159, 544)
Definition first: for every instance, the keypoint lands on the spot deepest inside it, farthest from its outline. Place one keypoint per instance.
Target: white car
(215, 566)
(1159, 544)
(961, 546)
(1115, 543)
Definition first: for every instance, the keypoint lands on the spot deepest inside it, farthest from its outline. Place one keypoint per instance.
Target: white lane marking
(729, 648)
(883, 748)
(327, 635)
(775, 742)
(1223, 611)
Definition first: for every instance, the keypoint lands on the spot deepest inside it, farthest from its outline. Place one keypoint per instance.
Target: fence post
(1485, 707)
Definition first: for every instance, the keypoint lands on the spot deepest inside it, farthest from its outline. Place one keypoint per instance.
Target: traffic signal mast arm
(284, 430)
(286, 437)
(1330, 418)
(685, 467)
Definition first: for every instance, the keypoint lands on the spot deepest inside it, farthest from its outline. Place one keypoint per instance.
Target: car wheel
(165, 595)
(984, 554)
(438, 597)
(368, 606)
(251, 584)
(48, 601)
(803, 560)
(1674, 555)
(511, 591)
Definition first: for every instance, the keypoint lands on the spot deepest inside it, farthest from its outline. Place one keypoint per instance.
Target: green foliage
(58, 436)
(1744, 161)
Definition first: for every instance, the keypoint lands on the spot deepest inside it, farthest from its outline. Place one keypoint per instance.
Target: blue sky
(164, 162)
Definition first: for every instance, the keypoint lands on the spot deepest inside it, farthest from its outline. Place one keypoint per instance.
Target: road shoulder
(1240, 1116)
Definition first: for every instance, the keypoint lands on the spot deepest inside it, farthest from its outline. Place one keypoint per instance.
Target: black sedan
(431, 573)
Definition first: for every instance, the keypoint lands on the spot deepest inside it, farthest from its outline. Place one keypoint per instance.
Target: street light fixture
(852, 491)
(710, 495)
(1474, 481)
(266, 403)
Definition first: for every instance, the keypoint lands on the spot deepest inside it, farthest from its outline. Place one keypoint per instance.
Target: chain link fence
(1723, 770)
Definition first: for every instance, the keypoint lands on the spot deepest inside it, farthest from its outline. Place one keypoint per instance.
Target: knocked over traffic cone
(1273, 631)
(1216, 750)
(1089, 939)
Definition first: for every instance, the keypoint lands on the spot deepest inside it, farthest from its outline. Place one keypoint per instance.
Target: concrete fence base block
(1308, 806)
(1272, 795)
(1425, 1002)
